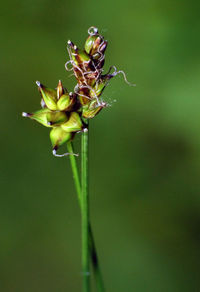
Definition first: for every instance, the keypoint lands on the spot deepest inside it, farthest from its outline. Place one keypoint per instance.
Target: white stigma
(38, 83)
(95, 29)
(25, 114)
(62, 155)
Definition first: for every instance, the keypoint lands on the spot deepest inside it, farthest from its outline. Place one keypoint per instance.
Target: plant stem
(95, 263)
(85, 213)
(75, 172)
(93, 251)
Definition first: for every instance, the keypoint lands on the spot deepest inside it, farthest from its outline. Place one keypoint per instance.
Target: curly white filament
(62, 155)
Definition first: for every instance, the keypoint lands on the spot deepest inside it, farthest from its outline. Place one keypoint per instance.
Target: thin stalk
(93, 251)
(75, 172)
(95, 263)
(85, 213)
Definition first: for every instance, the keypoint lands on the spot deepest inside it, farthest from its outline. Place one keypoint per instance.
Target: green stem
(93, 251)
(75, 172)
(95, 263)
(85, 213)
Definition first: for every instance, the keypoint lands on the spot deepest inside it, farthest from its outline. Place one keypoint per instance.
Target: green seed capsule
(78, 56)
(63, 102)
(58, 136)
(74, 124)
(82, 59)
(56, 118)
(90, 43)
(49, 96)
(39, 116)
(95, 46)
(66, 102)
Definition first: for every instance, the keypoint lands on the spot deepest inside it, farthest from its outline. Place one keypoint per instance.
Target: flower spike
(65, 112)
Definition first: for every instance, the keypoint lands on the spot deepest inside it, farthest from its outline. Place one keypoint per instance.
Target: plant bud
(95, 46)
(98, 50)
(49, 96)
(89, 44)
(77, 55)
(60, 89)
(95, 43)
(58, 137)
(74, 124)
(82, 57)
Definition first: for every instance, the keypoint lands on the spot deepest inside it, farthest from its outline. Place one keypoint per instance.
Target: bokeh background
(144, 149)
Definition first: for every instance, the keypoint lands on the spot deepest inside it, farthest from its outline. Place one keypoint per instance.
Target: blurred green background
(144, 149)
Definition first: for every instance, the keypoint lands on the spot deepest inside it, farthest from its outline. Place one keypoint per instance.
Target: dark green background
(144, 149)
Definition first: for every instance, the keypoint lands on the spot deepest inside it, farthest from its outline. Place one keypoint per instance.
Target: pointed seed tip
(38, 83)
(26, 115)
